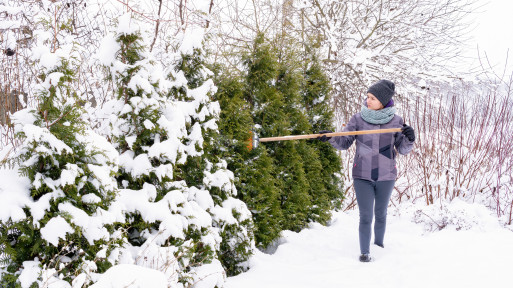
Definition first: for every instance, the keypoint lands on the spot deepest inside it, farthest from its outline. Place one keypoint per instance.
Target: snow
(137, 166)
(192, 39)
(51, 279)
(30, 273)
(159, 258)
(91, 198)
(14, 194)
(92, 226)
(52, 79)
(138, 201)
(38, 208)
(102, 174)
(221, 179)
(139, 81)
(108, 49)
(195, 138)
(202, 197)
(209, 275)
(202, 5)
(11, 9)
(473, 255)
(56, 228)
(148, 124)
(127, 25)
(168, 149)
(224, 213)
(320, 256)
(48, 60)
(133, 276)
(69, 174)
(35, 133)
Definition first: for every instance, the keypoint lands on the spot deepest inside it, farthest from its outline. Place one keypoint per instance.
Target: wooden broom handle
(309, 136)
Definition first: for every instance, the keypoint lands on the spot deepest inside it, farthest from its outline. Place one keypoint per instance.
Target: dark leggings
(372, 197)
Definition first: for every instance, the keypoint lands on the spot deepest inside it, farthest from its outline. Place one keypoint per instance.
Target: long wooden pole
(309, 136)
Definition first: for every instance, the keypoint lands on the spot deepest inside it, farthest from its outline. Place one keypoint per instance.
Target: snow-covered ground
(479, 255)
(472, 250)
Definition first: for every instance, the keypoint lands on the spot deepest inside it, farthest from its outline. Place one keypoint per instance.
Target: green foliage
(315, 92)
(10, 280)
(253, 169)
(232, 256)
(193, 67)
(56, 115)
(290, 183)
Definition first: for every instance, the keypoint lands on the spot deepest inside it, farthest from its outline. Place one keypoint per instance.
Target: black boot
(366, 258)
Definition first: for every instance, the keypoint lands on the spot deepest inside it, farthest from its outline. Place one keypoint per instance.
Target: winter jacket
(375, 153)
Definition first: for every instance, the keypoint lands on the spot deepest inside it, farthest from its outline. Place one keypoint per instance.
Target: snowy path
(327, 257)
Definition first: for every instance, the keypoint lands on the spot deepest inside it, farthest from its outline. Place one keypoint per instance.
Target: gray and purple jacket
(375, 153)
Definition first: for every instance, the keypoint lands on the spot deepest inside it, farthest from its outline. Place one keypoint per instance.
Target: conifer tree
(308, 165)
(236, 230)
(315, 90)
(274, 94)
(162, 218)
(309, 109)
(253, 167)
(164, 125)
(67, 232)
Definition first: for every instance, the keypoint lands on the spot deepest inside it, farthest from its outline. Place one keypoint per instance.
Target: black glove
(324, 138)
(408, 132)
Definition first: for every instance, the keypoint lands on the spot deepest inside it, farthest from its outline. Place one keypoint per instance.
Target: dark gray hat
(383, 90)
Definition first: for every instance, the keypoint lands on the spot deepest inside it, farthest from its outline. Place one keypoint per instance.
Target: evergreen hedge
(285, 184)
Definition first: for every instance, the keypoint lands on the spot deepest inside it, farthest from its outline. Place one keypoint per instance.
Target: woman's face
(373, 102)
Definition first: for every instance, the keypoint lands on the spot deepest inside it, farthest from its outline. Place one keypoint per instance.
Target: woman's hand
(408, 132)
(324, 138)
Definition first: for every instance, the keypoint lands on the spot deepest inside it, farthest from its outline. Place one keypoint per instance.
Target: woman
(374, 168)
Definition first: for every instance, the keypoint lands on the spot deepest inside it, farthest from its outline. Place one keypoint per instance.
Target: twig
(440, 227)
(156, 27)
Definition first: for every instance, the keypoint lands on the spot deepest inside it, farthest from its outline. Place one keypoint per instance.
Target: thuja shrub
(63, 230)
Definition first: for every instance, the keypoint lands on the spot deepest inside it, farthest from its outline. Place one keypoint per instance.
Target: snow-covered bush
(181, 217)
(61, 227)
(231, 216)
(448, 215)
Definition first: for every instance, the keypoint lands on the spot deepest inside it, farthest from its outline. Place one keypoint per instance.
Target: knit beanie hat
(383, 90)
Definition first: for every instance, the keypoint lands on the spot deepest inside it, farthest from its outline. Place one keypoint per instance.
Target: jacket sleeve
(402, 144)
(344, 142)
